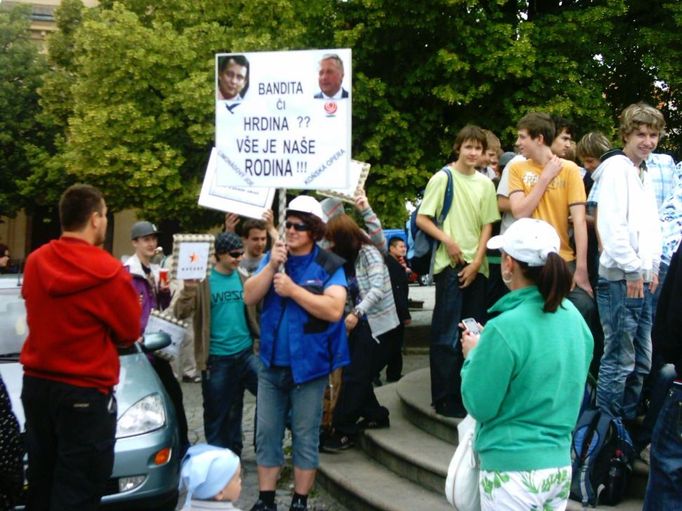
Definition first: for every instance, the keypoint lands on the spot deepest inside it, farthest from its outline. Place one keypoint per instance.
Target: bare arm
(468, 273)
(503, 204)
(522, 205)
(258, 285)
(426, 224)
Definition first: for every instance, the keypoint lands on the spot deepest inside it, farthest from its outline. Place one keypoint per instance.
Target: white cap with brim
(306, 204)
(206, 470)
(528, 240)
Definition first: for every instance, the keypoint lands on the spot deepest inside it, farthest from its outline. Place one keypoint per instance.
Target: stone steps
(404, 467)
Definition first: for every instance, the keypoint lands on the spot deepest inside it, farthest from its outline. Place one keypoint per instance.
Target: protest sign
(176, 330)
(192, 255)
(359, 171)
(251, 202)
(283, 119)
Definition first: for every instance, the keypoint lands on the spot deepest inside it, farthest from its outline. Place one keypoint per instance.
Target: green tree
(424, 70)
(143, 108)
(48, 179)
(21, 68)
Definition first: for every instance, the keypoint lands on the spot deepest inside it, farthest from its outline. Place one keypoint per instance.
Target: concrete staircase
(403, 468)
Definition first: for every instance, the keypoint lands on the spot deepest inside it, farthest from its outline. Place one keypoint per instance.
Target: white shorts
(534, 489)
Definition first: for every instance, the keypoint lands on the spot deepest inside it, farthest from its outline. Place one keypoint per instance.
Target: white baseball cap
(306, 204)
(528, 240)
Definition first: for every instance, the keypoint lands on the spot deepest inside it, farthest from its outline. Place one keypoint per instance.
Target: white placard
(174, 329)
(251, 202)
(276, 133)
(192, 260)
(358, 175)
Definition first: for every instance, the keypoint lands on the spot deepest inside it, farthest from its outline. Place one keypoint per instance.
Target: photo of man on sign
(233, 77)
(330, 78)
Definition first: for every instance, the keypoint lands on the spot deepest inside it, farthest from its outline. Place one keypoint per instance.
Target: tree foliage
(130, 89)
(21, 69)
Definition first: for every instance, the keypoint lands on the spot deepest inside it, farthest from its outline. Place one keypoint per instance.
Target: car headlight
(144, 416)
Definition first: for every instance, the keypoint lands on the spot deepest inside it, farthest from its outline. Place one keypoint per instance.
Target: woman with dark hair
(370, 313)
(523, 377)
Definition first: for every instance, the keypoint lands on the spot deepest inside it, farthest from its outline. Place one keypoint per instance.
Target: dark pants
(392, 353)
(70, 435)
(357, 398)
(445, 356)
(222, 385)
(170, 383)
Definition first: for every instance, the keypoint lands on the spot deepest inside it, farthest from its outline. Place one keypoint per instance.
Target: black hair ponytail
(554, 280)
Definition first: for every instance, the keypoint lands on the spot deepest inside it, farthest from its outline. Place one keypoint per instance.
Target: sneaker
(447, 409)
(191, 379)
(298, 507)
(261, 506)
(336, 442)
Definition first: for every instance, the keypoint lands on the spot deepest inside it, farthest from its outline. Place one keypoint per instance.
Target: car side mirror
(155, 341)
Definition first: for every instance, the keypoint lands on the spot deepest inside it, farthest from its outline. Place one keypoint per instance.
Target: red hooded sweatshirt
(80, 303)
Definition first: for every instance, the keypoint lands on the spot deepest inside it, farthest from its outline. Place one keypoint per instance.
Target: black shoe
(447, 409)
(374, 423)
(261, 506)
(337, 442)
(298, 507)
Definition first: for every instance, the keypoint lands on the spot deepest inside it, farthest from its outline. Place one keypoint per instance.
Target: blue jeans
(222, 385)
(627, 348)
(445, 354)
(664, 490)
(279, 396)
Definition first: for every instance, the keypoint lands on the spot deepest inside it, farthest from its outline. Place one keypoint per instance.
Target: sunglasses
(236, 254)
(297, 227)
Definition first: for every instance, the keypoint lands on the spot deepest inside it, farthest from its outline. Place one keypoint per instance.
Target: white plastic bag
(461, 484)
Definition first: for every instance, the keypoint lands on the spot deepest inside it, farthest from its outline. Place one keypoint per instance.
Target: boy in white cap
(212, 477)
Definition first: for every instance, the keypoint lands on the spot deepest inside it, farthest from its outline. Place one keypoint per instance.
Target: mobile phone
(471, 325)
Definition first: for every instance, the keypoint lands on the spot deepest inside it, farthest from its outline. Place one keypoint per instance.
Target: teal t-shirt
(229, 331)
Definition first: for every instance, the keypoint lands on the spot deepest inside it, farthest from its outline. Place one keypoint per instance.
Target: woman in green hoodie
(523, 378)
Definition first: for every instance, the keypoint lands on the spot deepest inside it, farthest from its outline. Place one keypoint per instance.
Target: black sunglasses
(297, 227)
(236, 254)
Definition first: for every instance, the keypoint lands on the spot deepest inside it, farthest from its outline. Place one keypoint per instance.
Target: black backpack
(424, 245)
(602, 454)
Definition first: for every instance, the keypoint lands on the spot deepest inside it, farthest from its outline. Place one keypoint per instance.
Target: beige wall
(43, 15)
(13, 234)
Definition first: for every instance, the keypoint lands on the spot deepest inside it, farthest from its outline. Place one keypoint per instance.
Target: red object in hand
(163, 276)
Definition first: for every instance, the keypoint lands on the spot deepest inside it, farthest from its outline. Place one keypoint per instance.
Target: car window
(13, 328)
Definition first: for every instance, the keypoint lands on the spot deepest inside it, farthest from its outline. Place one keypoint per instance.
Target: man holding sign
(223, 335)
(303, 339)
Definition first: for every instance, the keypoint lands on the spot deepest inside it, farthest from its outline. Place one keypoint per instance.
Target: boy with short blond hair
(629, 230)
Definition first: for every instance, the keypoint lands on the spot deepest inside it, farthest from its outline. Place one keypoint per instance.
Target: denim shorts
(278, 399)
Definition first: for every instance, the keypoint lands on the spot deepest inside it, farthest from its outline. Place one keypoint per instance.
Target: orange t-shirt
(565, 190)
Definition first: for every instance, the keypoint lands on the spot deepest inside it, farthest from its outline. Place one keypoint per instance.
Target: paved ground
(319, 499)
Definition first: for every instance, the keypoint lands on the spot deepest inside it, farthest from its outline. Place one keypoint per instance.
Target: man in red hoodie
(80, 305)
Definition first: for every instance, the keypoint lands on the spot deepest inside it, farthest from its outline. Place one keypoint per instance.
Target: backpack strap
(447, 198)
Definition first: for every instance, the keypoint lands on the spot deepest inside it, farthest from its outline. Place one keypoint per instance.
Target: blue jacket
(316, 347)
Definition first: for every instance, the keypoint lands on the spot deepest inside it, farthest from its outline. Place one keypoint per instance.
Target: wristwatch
(357, 312)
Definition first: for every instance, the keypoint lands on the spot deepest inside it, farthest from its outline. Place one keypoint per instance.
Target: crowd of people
(560, 266)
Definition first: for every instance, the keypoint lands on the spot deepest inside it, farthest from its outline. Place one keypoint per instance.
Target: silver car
(147, 453)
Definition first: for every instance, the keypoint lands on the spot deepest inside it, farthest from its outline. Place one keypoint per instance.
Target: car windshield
(13, 328)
